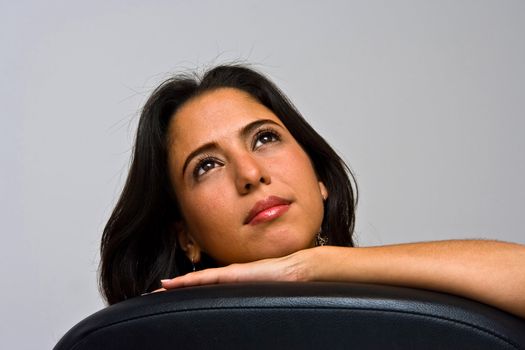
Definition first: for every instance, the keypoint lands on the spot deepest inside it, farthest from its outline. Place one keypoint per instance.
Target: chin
(286, 247)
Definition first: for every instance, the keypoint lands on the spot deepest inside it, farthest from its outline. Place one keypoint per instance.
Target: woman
(229, 183)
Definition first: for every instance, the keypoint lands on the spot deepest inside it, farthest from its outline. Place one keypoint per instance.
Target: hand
(292, 267)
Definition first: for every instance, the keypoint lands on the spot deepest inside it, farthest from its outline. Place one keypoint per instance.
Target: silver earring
(192, 265)
(320, 240)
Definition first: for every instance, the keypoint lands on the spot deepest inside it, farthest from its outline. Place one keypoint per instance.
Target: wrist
(315, 263)
(332, 263)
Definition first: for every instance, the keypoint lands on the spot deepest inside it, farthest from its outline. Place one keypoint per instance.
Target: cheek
(297, 169)
(297, 172)
(208, 215)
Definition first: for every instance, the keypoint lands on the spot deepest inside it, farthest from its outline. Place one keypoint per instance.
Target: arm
(487, 271)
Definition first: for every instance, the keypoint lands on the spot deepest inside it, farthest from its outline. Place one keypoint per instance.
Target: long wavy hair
(139, 244)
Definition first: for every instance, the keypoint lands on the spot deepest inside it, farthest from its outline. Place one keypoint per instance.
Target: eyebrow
(245, 131)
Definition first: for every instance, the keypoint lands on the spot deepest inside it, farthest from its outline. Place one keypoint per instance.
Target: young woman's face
(246, 188)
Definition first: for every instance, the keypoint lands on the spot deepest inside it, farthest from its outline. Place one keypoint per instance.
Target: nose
(250, 173)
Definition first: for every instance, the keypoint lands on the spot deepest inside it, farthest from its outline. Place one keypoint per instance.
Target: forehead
(213, 116)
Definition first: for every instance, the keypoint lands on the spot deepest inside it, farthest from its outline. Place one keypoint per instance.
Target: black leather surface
(297, 316)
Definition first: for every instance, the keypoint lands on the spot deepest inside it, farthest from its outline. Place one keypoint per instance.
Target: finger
(261, 270)
(191, 279)
(208, 276)
(155, 291)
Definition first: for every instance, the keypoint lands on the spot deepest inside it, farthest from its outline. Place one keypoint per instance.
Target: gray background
(424, 99)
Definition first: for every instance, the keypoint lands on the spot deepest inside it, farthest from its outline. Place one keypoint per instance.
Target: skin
(221, 170)
(282, 249)
(491, 272)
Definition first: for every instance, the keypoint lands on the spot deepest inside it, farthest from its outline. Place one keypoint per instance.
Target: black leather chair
(297, 316)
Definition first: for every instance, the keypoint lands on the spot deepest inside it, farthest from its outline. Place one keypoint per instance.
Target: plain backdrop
(424, 99)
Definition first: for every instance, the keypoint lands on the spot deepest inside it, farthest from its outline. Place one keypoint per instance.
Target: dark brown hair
(139, 245)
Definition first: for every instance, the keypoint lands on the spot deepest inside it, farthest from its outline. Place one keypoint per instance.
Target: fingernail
(164, 281)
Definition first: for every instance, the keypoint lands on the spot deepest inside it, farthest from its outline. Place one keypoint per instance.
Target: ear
(323, 190)
(187, 243)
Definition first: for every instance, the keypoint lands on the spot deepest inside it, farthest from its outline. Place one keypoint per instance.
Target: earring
(320, 240)
(192, 265)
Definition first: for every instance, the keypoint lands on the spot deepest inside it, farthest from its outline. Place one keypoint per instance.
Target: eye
(205, 165)
(265, 136)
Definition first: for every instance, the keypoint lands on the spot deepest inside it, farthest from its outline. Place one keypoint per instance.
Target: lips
(266, 210)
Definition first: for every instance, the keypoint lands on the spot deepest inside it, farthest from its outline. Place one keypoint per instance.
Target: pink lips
(267, 209)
